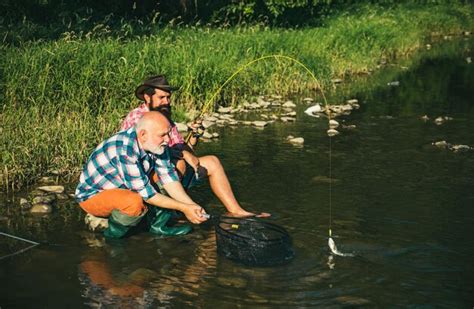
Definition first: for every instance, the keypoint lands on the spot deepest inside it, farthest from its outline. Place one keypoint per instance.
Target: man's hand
(191, 159)
(196, 127)
(194, 213)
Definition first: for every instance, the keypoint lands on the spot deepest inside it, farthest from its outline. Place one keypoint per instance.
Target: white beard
(158, 150)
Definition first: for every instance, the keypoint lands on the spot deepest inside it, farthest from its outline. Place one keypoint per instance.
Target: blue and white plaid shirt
(119, 162)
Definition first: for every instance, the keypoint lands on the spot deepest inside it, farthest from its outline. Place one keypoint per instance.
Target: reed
(62, 97)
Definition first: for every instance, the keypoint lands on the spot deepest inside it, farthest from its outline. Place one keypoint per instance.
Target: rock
(233, 122)
(352, 101)
(207, 135)
(221, 121)
(247, 123)
(313, 109)
(96, 224)
(41, 209)
(52, 189)
(440, 144)
(46, 180)
(277, 97)
(296, 140)
(45, 199)
(308, 100)
(460, 148)
(336, 81)
(349, 126)
(264, 116)
(224, 110)
(467, 33)
(333, 124)
(274, 117)
(290, 114)
(215, 135)
(226, 117)
(468, 60)
(394, 83)
(276, 104)
(210, 119)
(62, 196)
(332, 132)
(439, 120)
(182, 127)
(428, 46)
(24, 204)
(262, 103)
(259, 124)
(288, 119)
(37, 192)
(289, 104)
(425, 118)
(207, 124)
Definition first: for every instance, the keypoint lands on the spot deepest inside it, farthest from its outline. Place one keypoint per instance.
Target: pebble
(333, 124)
(260, 124)
(215, 135)
(440, 144)
(288, 119)
(295, 140)
(182, 127)
(52, 189)
(289, 104)
(332, 132)
(45, 199)
(41, 209)
(425, 118)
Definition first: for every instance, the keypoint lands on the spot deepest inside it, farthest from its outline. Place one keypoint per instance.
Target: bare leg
(221, 187)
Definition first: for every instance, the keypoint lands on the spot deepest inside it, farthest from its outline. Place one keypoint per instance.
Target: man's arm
(193, 212)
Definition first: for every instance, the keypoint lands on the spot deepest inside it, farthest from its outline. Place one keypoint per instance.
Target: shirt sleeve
(135, 178)
(164, 169)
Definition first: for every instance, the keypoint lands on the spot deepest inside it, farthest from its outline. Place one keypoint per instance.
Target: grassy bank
(60, 98)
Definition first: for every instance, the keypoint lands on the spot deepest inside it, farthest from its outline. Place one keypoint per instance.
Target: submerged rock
(295, 140)
(96, 224)
(425, 118)
(41, 209)
(45, 199)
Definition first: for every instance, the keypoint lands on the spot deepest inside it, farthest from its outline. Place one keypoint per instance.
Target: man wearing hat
(156, 92)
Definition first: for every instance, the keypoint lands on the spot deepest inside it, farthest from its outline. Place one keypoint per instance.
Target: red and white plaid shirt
(135, 115)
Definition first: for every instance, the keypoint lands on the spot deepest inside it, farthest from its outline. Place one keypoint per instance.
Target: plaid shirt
(119, 162)
(135, 115)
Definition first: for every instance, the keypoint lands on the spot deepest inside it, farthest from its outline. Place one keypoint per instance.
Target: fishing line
(209, 104)
(33, 244)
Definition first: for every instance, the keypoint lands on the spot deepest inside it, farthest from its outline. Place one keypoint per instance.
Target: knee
(212, 162)
(133, 205)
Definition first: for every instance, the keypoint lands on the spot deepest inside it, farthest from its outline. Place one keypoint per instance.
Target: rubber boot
(120, 224)
(158, 218)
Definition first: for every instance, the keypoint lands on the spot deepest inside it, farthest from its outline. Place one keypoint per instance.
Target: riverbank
(62, 97)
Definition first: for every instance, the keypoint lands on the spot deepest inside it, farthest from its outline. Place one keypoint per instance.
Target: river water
(404, 207)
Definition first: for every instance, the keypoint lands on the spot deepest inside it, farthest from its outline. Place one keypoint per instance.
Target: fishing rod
(209, 103)
(33, 244)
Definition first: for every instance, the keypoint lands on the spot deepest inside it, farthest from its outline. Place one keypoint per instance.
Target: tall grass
(60, 98)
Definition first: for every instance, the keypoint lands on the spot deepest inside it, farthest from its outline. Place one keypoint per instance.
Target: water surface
(404, 207)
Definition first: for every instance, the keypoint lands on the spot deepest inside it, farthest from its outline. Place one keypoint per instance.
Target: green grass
(62, 97)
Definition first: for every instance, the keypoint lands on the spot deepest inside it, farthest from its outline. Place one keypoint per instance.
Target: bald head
(152, 119)
(152, 132)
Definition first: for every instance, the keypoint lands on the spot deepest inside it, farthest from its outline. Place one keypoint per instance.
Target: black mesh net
(253, 242)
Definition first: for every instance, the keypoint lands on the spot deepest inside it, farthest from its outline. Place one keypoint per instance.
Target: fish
(332, 246)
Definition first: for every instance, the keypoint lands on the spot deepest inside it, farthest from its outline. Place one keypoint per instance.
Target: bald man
(118, 179)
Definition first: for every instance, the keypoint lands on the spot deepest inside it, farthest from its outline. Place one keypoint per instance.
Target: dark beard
(164, 109)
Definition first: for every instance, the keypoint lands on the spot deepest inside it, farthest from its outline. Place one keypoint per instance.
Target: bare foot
(246, 214)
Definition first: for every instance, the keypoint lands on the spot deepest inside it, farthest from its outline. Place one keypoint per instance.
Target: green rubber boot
(120, 224)
(157, 219)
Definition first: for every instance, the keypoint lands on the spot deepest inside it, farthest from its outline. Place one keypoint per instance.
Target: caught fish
(332, 246)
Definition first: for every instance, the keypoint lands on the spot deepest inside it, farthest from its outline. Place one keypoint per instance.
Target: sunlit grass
(62, 97)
